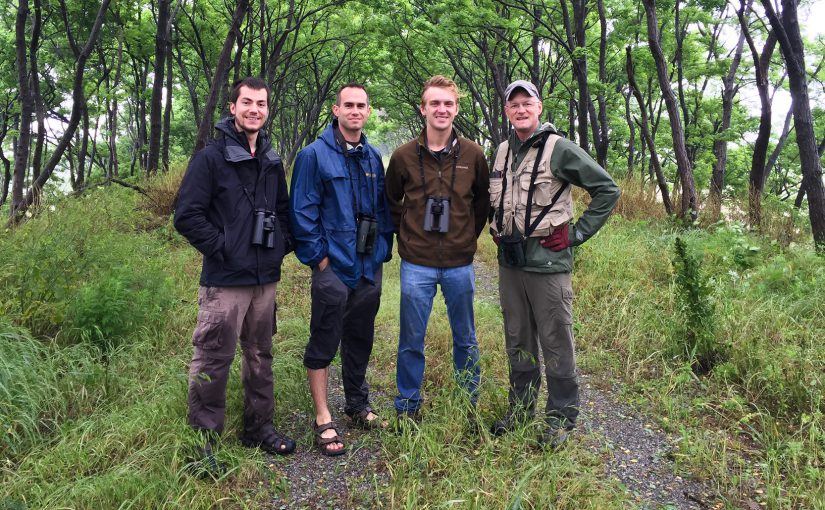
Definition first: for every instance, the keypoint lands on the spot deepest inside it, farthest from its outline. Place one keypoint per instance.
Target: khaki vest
(518, 186)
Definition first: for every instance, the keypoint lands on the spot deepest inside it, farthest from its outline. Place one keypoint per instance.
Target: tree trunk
(40, 115)
(720, 144)
(688, 202)
(780, 144)
(78, 103)
(155, 114)
(167, 110)
(758, 173)
(602, 140)
(654, 157)
(80, 181)
(631, 126)
(21, 156)
(221, 73)
(790, 43)
(113, 169)
(580, 71)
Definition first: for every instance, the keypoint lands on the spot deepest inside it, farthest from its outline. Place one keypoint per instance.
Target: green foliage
(67, 277)
(27, 383)
(767, 312)
(695, 309)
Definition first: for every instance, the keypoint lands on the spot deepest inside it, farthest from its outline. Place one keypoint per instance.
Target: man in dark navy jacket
(342, 229)
(233, 207)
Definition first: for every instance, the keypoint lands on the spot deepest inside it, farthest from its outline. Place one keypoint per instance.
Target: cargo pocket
(566, 306)
(209, 331)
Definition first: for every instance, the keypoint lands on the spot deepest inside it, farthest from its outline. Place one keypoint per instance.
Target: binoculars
(437, 214)
(263, 228)
(367, 230)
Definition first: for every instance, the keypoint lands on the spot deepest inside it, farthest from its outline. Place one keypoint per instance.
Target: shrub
(107, 309)
(81, 276)
(696, 310)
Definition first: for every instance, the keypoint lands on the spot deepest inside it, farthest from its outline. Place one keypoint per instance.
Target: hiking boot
(509, 422)
(554, 437)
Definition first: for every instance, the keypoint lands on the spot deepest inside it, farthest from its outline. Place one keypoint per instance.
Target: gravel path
(637, 452)
(634, 451)
(314, 481)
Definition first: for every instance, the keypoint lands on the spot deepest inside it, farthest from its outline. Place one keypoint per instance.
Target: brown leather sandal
(323, 442)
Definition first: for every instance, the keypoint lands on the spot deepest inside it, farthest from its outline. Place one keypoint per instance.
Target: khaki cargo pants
(225, 315)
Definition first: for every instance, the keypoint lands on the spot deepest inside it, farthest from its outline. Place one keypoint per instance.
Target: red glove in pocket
(559, 240)
(496, 237)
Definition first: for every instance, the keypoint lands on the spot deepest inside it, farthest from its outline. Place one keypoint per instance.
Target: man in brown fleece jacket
(437, 187)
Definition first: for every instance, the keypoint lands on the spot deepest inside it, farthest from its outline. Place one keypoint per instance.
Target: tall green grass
(98, 301)
(765, 399)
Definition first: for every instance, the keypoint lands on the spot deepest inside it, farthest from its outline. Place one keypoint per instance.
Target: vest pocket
(495, 191)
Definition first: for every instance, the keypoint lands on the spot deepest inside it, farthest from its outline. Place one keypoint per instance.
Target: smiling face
(523, 111)
(352, 110)
(250, 110)
(439, 105)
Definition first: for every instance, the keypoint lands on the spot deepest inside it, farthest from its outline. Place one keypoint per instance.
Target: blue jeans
(418, 285)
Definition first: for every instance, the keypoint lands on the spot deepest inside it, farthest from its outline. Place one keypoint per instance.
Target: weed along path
(445, 464)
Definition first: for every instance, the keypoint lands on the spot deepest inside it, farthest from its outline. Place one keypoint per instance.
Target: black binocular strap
(371, 185)
(455, 164)
(529, 228)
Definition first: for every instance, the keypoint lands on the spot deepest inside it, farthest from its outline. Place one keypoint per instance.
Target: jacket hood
(543, 128)
(236, 147)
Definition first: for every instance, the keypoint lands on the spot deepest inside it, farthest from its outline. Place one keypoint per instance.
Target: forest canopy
(691, 97)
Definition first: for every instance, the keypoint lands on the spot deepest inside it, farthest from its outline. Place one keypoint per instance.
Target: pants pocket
(209, 331)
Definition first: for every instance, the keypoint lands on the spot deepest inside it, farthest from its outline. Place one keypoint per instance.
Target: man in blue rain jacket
(343, 231)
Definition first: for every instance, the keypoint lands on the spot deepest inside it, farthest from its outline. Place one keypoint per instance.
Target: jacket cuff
(574, 235)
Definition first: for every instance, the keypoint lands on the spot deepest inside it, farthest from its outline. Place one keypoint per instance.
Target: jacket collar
(451, 145)
(332, 138)
(236, 147)
(517, 144)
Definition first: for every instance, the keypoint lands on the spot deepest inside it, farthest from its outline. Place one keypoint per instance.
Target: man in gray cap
(531, 222)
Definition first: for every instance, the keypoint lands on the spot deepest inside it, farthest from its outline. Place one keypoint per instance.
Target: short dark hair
(252, 82)
(350, 85)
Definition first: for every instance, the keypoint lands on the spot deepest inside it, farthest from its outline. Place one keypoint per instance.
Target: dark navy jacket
(222, 186)
(323, 190)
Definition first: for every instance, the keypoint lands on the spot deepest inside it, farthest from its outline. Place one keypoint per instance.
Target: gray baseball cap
(521, 84)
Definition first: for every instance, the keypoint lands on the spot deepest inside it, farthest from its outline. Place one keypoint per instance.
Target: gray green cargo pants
(538, 313)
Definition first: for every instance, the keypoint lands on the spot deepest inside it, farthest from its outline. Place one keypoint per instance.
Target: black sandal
(361, 420)
(323, 442)
(275, 444)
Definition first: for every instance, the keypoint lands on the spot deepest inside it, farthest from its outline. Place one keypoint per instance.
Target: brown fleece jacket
(469, 200)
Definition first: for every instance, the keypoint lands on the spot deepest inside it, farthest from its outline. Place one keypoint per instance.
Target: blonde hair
(442, 82)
